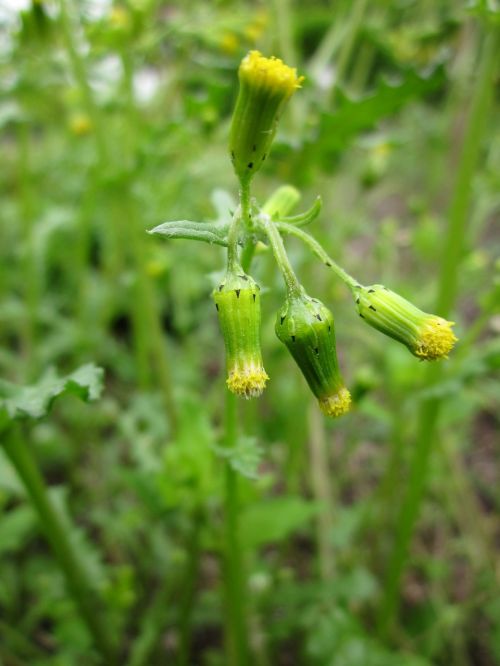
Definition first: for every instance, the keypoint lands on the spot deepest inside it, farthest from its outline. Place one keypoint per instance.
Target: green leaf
(352, 116)
(308, 216)
(200, 231)
(36, 400)
(244, 458)
(275, 519)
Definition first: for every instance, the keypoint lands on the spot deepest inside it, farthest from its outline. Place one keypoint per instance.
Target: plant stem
(78, 67)
(322, 491)
(318, 250)
(149, 340)
(448, 289)
(79, 584)
(292, 284)
(354, 21)
(188, 590)
(234, 578)
(234, 586)
(30, 266)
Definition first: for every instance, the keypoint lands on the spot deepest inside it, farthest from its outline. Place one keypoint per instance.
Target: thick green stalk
(448, 289)
(31, 279)
(189, 591)
(234, 574)
(234, 583)
(322, 492)
(79, 584)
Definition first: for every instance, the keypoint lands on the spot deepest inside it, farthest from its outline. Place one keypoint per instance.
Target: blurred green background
(367, 541)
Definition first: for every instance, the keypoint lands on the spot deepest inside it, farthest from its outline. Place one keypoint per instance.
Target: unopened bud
(266, 84)
(427, 336)
(306, 328)
(237, 300)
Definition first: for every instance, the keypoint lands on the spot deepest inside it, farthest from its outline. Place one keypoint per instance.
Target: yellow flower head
(270, 74)
(248, 381)
(436, 338)
(337, 404)
(266, 84)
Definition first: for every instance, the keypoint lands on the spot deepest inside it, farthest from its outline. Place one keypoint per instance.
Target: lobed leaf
(353, 116)
(35, 401)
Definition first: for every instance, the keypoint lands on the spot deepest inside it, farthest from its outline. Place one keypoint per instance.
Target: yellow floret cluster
(337, 404)
(247, 382)
(436, 339)
(269, 73)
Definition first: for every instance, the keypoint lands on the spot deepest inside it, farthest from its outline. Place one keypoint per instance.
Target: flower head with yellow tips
(237, 300)
(427, 336)
(266, 84)
(305, 326)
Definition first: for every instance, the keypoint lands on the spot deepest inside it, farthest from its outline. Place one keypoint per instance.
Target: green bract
(306, 327)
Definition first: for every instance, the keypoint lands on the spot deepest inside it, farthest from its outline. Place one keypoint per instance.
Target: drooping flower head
(306, 328)
(237, 300)
(266, 84)
(427, 336)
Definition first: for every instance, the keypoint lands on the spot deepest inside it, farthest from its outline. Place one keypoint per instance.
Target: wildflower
(306, 328)
(237, 300)
(427, 336)
(266, 84)
(80, 124)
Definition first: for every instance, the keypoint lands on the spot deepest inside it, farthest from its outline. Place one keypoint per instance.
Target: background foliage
(114, 118)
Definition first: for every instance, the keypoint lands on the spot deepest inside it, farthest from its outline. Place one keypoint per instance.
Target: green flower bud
(237, 300)
(266, 84)
(427, 336)
(306, 328)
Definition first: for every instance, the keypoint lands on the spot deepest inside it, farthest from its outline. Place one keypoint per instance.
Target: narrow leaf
(302, 219)
(200, 231)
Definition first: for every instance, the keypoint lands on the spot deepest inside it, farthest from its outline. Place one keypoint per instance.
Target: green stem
(150, 343)
(234, 585)
(78, 66)
(188, 591)
(79, 584)
(70, 37)
(322, 492)
(31, 277)
(355, 18)
(448, 288)
(234, 578)
(293, 286)
(318, 250)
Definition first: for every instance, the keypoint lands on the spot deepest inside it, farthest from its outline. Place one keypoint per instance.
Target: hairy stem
(318, 250)
(270, 228)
